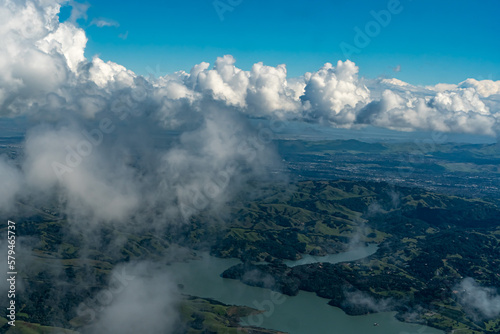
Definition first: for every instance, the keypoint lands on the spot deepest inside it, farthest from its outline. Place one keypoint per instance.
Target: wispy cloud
(479, 302)
(78, 10)
(102, 22)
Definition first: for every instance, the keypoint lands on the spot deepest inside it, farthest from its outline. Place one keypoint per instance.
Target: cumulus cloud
(109, 73)
(28, 71)
(260, 91)
(394, 82)
(478, 301)
(485, 88)
(442, 87)
(334, 93)
(269, 90)
(45, 70)
(464, 100)
(401, 106)
(68, 41)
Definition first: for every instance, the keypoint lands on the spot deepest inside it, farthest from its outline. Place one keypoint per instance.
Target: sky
(422, 42)
(395, 64)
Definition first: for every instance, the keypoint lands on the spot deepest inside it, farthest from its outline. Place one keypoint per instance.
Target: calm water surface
(305, 313)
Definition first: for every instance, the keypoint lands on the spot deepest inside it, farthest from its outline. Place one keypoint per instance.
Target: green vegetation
(427, 243)
(203, 315)
(23, 327)
(198, 315)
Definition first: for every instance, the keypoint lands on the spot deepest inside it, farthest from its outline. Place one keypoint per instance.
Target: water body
(352, 255)
(305, 313)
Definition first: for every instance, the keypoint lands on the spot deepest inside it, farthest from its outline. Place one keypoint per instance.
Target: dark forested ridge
(428, 244)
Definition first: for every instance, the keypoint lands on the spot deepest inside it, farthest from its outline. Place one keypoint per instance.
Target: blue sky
(432, 41)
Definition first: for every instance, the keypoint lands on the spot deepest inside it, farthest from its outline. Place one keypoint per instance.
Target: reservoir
(351, 255)
(305, 313)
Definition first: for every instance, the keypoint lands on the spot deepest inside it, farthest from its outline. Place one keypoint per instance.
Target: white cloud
(334, 93)
(65, 160)
(103, 73)
(366, 302)
(225, 82)
(269, 90)
(27, 71)
(260, 91)
(395, 82)
(459, 111)
(478, 301)
(102, 22)
(442, 87)
(44, 73)
(68, 41)
(138, 299)
(485, 88)
(78, 10)
(462, 100)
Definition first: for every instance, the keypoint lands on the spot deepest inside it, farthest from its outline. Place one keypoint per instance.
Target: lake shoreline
(288, 316)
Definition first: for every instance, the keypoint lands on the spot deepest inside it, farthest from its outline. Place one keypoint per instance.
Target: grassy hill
(428, 243)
